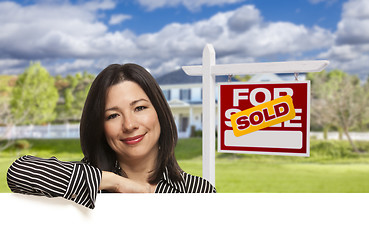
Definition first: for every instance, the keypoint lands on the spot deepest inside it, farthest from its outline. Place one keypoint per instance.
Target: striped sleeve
(195, 184)
(78, 182)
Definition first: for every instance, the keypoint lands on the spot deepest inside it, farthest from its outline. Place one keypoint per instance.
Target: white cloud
(55, 35)
(119, 18)
(354, 25)
(181, 43)
(43, 31)
(244, 18)
(341, 53)
(11, 66)
(353, 31)
(74, 66)
(355, 9)
(99, 5)
(322, 1)
(192, 5)
(351, 49)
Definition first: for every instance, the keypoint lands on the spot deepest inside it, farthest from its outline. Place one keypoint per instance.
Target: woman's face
(131, 125)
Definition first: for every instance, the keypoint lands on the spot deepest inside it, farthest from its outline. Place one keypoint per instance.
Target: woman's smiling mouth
(133, 140)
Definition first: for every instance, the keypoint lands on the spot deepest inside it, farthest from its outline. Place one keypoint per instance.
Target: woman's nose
(129, 123)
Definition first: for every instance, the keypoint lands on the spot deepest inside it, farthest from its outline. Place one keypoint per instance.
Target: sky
(69, 36)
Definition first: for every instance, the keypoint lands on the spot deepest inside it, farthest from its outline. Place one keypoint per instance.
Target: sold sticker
(264, 115)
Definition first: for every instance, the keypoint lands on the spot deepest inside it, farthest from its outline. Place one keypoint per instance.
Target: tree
(339, 101)
(364, 121)
(6, 117)
(34, 96)
(243, 78)
(73, 91)
(318, 103)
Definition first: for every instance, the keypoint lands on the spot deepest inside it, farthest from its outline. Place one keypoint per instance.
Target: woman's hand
(115, 183)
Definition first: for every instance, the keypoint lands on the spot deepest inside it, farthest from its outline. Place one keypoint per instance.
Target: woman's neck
(138, 170)
(138, 173)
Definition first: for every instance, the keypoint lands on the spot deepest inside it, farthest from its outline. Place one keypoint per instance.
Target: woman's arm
(78, 182)
(115, 183)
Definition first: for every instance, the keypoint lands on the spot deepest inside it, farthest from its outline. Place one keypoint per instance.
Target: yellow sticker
(264, 115)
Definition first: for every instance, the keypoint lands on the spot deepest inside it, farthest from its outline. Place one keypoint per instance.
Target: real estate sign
(264, 118)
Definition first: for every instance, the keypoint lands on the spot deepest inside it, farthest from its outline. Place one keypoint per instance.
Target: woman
(128, 136)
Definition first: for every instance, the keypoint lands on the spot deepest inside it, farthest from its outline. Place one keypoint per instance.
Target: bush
(332, 149)
(22, 144)
(195, 133)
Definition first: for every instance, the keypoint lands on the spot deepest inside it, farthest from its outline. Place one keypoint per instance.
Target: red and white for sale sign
(286, 138)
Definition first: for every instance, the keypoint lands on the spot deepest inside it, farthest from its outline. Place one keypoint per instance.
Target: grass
(332, 166)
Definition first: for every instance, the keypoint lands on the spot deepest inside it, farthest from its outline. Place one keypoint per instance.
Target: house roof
(265, 77)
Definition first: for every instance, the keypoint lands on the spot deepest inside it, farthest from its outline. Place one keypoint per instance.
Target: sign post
(209, 70)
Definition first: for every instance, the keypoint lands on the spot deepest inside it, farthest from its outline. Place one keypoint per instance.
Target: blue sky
(143, 19)
(162, 35)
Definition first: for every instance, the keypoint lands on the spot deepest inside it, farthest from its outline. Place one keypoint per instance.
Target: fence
(47, 131)
(359, 136)
(72, 131)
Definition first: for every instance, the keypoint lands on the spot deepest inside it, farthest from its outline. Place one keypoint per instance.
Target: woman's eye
(112, 116)
(140, 108)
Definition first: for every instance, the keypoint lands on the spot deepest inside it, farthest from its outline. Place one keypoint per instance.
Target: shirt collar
(179, 186)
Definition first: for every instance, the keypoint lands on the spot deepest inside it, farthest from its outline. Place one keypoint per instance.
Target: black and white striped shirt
(80, 182)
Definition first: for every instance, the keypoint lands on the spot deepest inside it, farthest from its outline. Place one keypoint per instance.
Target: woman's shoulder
(196, 184)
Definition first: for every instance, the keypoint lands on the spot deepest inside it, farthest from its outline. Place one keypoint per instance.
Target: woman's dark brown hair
(95, 148)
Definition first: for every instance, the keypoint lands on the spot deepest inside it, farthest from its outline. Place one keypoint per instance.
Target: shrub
(332, 149)
(22, 144)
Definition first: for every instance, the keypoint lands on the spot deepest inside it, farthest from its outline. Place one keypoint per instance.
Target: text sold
(263, 115)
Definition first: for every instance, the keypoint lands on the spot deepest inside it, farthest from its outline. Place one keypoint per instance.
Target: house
(271, 77)
(184, 95)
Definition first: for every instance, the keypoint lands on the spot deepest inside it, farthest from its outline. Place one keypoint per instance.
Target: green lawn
(332, 166)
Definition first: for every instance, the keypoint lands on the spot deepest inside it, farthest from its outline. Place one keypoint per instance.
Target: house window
(166, 93)
(185, 94)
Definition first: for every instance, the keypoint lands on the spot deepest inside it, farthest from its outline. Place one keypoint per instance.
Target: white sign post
(209, 70)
